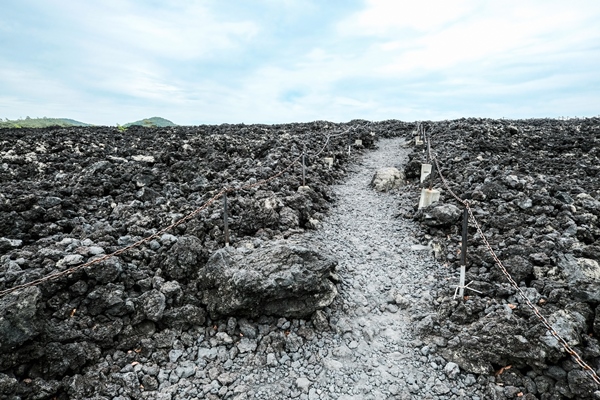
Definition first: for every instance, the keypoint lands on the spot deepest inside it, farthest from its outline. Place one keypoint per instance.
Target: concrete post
(425, 171)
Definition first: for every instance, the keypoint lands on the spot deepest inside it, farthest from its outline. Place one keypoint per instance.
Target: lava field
(73, 195)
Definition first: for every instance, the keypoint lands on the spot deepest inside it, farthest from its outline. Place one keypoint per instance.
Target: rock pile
(71, 195)
(534, 187)
(282, 279)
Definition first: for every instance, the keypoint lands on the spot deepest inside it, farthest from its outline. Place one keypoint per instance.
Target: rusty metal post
(428, 150)
(349, 141)
(432, 175)
(225, 220)
(303, 170)
(463, 253)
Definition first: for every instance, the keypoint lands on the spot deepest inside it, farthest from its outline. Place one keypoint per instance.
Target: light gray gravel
(361, 347)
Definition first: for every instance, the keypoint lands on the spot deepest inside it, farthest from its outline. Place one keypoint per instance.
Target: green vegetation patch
(40, 123)
(157, 122)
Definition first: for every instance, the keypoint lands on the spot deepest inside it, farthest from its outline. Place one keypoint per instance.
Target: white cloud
(187, 31)
(444, 34)
(120, 60)
(382, 17)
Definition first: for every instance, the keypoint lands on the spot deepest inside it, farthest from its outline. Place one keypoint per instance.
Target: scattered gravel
(393, 331)
(363, 346)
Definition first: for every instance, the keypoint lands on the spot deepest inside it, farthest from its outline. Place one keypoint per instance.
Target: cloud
(274, 61)
(384, 17)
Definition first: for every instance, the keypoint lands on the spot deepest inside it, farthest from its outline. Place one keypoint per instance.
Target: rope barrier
(186, 218)
(140, 242)
(576, 357)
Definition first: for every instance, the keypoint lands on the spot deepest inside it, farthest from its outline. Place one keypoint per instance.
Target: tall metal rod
(428, 149)
(303, 170)
(225, 220)
(349, 142)
(431, 176)
(463, 253)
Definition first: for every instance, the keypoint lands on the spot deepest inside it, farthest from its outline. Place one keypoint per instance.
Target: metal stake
(349, 141)
(303, 171)
(428, 150)
(225, 221)
(432, 176)
(463, 253)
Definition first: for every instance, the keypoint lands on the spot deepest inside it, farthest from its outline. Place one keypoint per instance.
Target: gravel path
(369, 350)
(361, 347)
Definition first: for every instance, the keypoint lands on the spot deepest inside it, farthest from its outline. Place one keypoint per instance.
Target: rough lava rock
(282, 279)
(441, 214)
(71, 195)
(18, 319)
(386, 179)
(534, 188)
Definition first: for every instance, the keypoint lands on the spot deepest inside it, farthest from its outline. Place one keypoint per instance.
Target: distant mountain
(152, 122)
(40, 123)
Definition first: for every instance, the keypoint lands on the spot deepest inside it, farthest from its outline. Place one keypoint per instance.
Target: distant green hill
(152, 122)
(40, 123)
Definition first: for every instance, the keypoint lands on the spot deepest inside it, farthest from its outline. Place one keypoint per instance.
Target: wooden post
(463, 253)
(225, 220)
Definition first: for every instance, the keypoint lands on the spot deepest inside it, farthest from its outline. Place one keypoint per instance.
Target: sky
(275, 61)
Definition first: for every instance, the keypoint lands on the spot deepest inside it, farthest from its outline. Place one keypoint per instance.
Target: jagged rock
(583, 276)
(185, 258)
(451, 370)
(8, 385)
(581, 384)
(18, 319)
(184, 317)
(152, 305)
(569, 326)
(283, 279)
(386, 179)
(9, 244)
(441, 214)
(493, 345)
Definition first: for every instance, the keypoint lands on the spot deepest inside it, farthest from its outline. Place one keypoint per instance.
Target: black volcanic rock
(18, 322)
(282, 279)
(534, 188)
(72, 195)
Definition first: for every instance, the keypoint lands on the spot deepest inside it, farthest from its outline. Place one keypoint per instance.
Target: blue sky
(273, 61)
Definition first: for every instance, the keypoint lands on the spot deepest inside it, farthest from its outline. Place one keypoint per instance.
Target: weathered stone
(152, 305)
(583, 276)
(282, 279)
(441, 214)
(386, 179)
(185, 258)
(451, 370)
(18, 321)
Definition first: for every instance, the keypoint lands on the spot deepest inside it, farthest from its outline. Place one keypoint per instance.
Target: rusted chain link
(140, 242)
(576, 357)
(329, 137)
(189, 216)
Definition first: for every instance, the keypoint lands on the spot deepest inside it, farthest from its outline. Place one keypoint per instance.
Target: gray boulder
(283, 279)
(386, 179)
(18, 317)
(441, 214)
(582, 275)
(185, 258)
